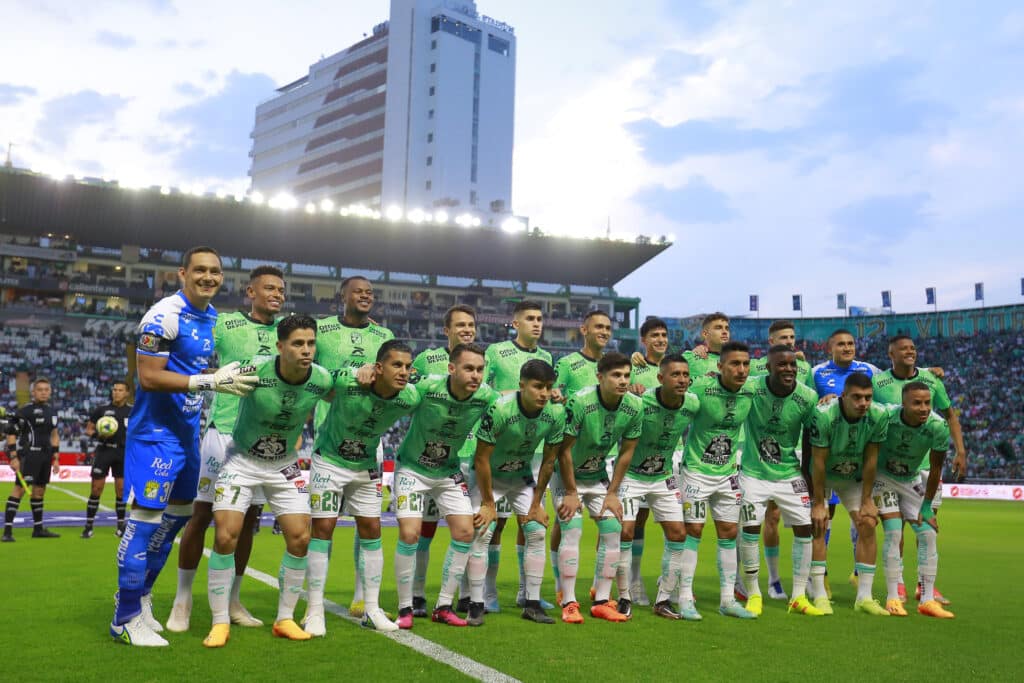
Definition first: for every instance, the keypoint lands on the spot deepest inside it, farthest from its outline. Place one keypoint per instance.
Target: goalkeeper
(109, 455)
(162, 451)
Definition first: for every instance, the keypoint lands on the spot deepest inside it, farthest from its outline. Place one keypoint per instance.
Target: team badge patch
(149, 342)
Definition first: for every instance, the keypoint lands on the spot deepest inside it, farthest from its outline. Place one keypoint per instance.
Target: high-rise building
(419, 114)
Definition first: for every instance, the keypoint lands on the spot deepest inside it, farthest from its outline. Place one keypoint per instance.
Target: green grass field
(59, 601)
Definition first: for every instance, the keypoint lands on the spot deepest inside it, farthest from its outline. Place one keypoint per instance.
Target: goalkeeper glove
(230, 379)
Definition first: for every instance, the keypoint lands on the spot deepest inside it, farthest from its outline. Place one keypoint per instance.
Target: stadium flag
(886, 298)
(841, 301)
(753, 302)
(797, 302)
(929, 296)
(979, 291)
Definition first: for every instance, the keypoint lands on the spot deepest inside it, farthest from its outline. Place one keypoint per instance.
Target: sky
(790, 147)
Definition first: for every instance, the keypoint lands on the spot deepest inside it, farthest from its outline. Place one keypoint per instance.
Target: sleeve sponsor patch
(149, 342)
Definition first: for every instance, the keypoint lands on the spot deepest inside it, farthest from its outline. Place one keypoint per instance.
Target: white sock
(218, 587)
(493, 558)
(371, 571)
(454, 569)
(801, 565)
(689, 568)
(726, 571)
(289, 582)
(568, 562)
(317, 562)
(750, 558)
(186, 577)
(405, 566)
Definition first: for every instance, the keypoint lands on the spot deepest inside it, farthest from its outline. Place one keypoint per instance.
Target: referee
(109, 456)
(34, 453)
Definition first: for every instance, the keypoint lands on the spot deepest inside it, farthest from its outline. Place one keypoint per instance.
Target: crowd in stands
(984, 378)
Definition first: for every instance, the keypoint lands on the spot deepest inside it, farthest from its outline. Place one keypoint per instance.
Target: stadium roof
(100, 213)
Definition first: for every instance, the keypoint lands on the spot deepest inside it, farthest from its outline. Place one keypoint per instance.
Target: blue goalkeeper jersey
(175, 330)
(830, 378)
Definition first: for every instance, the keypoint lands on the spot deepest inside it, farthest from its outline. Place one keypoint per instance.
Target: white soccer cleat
(181, 615)
(136, 633)
(147, 614)
(377, 620)
(639, 594)
(241, 616)
(314, 624)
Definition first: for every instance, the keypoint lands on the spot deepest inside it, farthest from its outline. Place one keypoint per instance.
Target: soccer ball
(106, 426)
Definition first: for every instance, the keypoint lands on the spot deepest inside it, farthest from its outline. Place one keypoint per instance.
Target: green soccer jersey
(517, 435)
(702, 367)
(717, 430)
(271, 418)
(804, 372)
(356, 419)
(646, 375)
(343, 347)
(774, 427)
(440, 426)
(661, 431)
(431, 362)
(598, 429)
(574, 372)
(503, 362)
(847, 440)
(238, 337)
(906, 449)
(889, 388)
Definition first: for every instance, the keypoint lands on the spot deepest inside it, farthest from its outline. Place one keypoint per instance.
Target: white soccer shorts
(515, 493)
(338, 490)
(282, 484)
(791, 495)
(849, 492)
(214, 453)
(723, 494)
(450, 493)
(591, 496)
(662, 497)
(905, 497)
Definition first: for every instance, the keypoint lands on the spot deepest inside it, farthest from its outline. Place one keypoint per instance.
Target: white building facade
(419, 114)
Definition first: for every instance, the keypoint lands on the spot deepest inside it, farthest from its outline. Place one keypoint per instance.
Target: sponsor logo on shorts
(161, 467)
(204, 484)
(403, 501)
(151, 489)
(314, 500)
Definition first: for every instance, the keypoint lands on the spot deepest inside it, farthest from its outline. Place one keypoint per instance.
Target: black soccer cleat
(419, 606)
(476, 614)
(44, 533)
(7, 538)
(463, 605)
(664, 610)
(625, 608)
(537, 614)
(87, 532)
(119, 532)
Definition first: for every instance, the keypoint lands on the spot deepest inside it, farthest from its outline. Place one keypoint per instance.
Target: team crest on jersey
(288, 399)
(355, 338)
(845, 468)
(770, 451)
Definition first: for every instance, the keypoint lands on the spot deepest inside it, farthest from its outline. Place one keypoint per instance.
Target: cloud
(13, 94)
(117, 41)
(866, 228)
(61, 116)
(695, 202)
(188, 89)
(217, 139)
(665, 145)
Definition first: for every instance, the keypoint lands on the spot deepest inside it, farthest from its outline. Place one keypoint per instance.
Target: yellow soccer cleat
(287, 628)
(755, 605)
(895, 608)
(933, 608)
(802, 605)
(828, 589)
(218, 636)
(870, 606)
(823, 605)
(357, 608)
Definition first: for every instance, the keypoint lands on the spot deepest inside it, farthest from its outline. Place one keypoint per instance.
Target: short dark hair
(41, 380)
(527, 305)
(733, 347)
(265, 269)
(395, 345)
(538, 370)
(708, 319)
(652, 324)
(899, 338)
(781, 325)
(611, 361)
(858, 380)
(118, 381)
(841, 330)
(187, 258)
(289, 324)
(670, 358)
(916, 386)
(350, 278)
(780, 348)
(464, 348)
(593, 312)
(458, 308)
